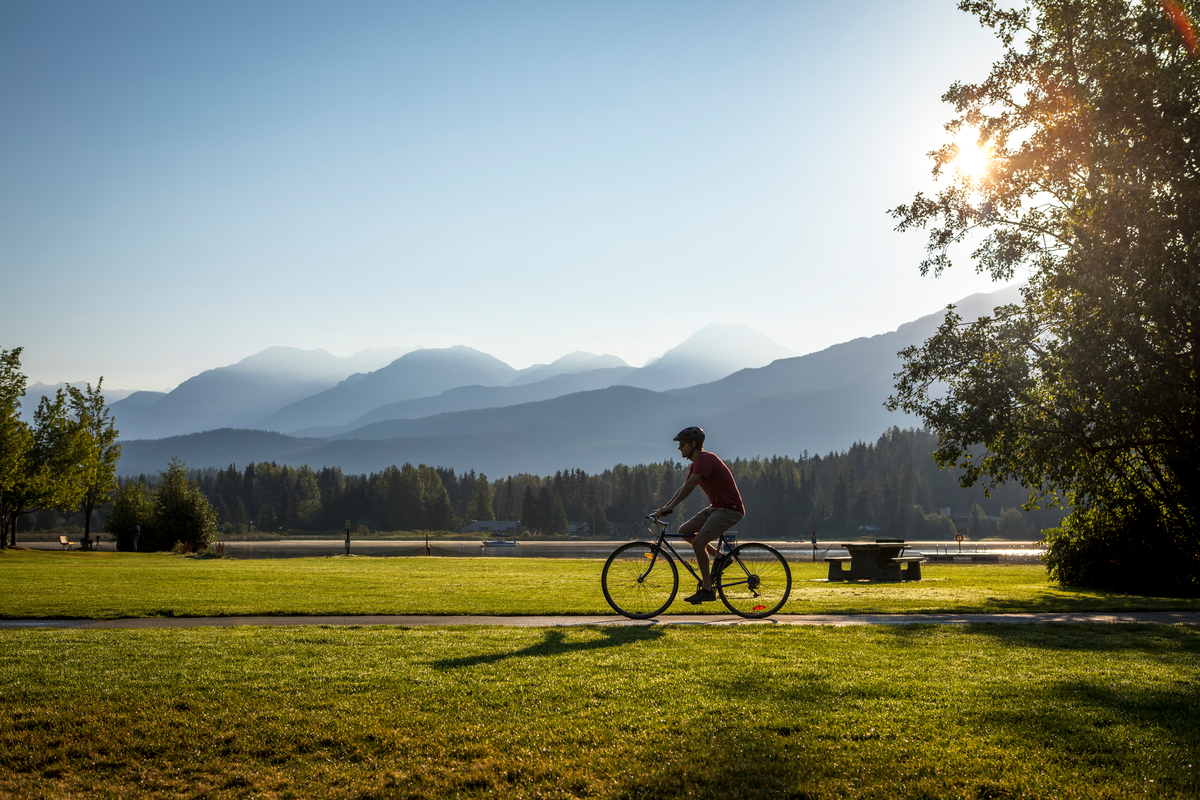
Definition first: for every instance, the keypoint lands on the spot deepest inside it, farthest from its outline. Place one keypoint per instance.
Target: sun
(972, 160)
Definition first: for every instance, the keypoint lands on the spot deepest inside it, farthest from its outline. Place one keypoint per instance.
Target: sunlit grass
(984, 711)
(47, 584)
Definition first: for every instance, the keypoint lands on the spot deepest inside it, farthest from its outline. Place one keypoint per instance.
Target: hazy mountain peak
(421, 373)
(719, 349)
(242, 393)
(393, 353)
(288, 361)
(280, 360)
(455, 353)
(570, 364)
(584, 358)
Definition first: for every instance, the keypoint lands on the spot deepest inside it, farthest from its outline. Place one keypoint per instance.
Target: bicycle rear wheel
(754, 581)
(639, 580)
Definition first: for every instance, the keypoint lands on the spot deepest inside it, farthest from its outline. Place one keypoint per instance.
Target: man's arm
(680, 495)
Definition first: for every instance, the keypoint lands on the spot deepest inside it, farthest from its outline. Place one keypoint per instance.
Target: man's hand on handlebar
(665, 511)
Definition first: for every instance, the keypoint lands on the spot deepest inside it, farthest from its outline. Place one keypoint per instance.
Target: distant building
(510, 527)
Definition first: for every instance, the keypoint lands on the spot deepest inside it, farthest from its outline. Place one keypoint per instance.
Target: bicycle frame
(724, 553)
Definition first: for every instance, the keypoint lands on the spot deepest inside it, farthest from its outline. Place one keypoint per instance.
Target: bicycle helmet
(690, 434)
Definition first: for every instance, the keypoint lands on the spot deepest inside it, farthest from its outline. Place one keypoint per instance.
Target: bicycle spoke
(755, 582)
(639, 580)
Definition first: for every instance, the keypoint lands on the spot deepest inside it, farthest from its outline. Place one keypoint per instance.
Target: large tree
(1087, 391)
(52, 473)
(99, 448)
(16, 440)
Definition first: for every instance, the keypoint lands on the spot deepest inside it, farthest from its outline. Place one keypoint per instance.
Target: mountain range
(459, 407)
(314, 393)
(34, 393)
(242, 394)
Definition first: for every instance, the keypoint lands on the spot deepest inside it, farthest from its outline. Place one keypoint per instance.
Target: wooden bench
(63, 541)
(910, 567)
(836, 573)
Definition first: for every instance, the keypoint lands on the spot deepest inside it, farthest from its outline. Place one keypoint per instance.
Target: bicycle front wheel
(754, 581)
(639, 580)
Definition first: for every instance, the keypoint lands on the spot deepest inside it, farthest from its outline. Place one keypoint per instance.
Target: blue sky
(183, 184)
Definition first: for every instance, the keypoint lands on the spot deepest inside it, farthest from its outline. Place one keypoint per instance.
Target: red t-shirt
(717, 482)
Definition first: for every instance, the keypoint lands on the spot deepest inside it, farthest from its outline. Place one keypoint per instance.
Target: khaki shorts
(714, 522)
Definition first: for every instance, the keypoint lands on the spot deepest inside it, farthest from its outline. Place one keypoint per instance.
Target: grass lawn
(983, 711)
(76, 584)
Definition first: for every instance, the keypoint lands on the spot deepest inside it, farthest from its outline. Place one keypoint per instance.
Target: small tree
(941, 527)
(1012, 524)
(480, 507)
(98, 445)
(593, 511)
(555, 518)
(267, 521)
(530, 517)
(181, 512)
(439, 513)
(130, 508)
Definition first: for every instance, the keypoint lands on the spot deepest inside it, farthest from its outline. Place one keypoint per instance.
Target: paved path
(1100, 617)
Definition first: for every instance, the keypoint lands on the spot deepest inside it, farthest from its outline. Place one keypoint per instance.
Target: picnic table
(880, 560)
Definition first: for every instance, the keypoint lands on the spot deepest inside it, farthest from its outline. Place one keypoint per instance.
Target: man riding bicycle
(725, 507)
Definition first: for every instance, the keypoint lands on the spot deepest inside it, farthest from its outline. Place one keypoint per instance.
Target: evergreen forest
(890, 487)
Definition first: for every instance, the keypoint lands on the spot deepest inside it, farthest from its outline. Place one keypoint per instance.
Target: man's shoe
(701, 596)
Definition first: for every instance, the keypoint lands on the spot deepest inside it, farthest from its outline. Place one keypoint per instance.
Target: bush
(180, 513)
(131, 507)
(1124, 549)
(940, 528)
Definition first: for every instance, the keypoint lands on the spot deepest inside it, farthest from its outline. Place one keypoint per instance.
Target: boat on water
(498, 543)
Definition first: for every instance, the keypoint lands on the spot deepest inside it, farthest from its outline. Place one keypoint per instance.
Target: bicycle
(640, 579)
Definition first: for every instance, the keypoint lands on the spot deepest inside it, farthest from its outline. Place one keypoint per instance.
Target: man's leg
(718, 521)
(702, 548)
(691, 530)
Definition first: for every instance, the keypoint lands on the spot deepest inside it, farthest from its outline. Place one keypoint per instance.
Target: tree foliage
(50, 472)
(98, 447)
(481, 500)
(131, 508)
(1086, 392)
(889, 485)
(15, 437)
(179, 512)
(68, 456)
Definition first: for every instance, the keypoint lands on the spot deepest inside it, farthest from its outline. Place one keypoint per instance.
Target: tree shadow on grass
(757, 742)
(554, 644)
(1067, 599)
(1089, 722)
(1146, 638)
